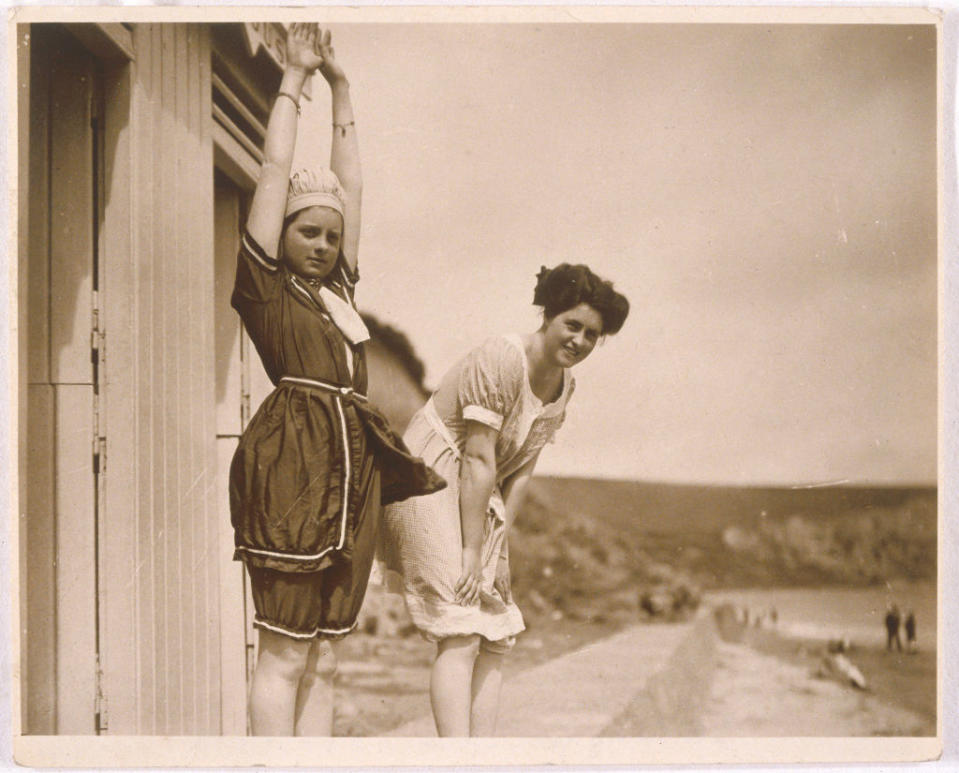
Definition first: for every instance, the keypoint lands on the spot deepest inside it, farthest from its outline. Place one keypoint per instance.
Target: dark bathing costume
(316, 463)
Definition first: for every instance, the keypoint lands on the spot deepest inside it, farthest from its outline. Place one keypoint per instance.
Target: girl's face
(572, 334)
(311, 243)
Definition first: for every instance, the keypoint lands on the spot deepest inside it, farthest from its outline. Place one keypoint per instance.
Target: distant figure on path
(483, 430)
(911, 631)
(892, 628)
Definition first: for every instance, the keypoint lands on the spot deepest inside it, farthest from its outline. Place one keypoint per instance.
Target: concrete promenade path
(580, 693)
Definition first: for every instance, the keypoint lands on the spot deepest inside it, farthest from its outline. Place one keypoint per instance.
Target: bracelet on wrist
(290, 97)
(342, 127)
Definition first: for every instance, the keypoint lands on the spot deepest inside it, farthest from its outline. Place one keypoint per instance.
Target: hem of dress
(441, 620)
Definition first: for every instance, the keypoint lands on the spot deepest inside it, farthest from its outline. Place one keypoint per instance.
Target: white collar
(344, 316)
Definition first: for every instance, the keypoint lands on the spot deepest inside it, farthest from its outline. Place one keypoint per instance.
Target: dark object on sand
(729, 623)
(665, 602)
(911, 631)
(669, 594)
(893, 619)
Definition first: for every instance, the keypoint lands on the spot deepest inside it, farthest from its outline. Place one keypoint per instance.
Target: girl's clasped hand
(305, 45)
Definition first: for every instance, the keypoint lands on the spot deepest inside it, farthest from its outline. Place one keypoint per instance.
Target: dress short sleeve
(490, 382)
(258, 275)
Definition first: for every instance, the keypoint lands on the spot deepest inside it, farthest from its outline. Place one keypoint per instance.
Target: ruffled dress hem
(436, 619)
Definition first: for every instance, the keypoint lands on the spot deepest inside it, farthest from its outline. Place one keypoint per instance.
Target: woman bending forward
(482, 430)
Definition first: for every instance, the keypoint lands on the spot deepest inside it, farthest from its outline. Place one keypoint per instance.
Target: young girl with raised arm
(316, 462)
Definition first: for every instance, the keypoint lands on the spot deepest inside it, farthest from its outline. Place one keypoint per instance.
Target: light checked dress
(423, 538)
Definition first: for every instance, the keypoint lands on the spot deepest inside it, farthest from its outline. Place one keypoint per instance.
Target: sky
(764, 195)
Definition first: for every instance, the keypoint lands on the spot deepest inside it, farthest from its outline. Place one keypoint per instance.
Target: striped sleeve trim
(257, 253)
(483, 416)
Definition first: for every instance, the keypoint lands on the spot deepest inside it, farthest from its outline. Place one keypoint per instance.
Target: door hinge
(96, 334)
(244, 408)
(101, 709)
(99, 455)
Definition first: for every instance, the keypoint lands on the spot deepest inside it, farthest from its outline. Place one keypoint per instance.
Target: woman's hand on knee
(471, 579)
(502, 581)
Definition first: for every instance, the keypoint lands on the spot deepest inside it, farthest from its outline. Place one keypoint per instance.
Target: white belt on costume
(327, 386)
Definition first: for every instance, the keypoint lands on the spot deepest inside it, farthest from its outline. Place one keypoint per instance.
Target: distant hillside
(612, 536)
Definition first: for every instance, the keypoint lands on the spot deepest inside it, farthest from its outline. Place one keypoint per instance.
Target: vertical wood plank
(187, 330)
(197, 402)
(38, 277)
(75, 545)
(145, 205)
(201, 99)
(71, 214)
(20, 642)
(118, 597)
(41, 581)
(171, 645)
(233, 678)
(35, 429)
(171, 356)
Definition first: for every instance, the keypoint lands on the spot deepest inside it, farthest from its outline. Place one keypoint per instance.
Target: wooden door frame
(108, 46)
(235, 637)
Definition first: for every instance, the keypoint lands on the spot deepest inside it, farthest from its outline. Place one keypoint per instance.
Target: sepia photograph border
(222, 752)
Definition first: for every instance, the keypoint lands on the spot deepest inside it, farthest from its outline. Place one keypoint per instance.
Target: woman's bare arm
(477, 479)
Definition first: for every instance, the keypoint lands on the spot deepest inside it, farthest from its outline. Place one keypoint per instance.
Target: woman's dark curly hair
(566, 286)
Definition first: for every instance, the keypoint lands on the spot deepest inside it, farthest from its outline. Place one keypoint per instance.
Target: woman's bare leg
(280, 665)
(450, 684)
(487, 680)
(314, 699)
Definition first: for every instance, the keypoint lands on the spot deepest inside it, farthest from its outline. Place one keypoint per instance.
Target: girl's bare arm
(265, 221)
(345, 149)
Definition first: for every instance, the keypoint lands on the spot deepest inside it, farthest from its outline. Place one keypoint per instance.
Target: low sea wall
(669, 705)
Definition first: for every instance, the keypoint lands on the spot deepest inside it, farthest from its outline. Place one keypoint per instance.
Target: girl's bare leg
(487, 680)
(279, 666)
(314, 699)
(450, 684)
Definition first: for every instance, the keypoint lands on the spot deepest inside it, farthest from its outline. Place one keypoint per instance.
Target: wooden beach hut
(138, 151)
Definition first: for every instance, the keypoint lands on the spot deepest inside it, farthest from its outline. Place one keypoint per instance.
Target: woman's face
(311, 243)
(571, 335)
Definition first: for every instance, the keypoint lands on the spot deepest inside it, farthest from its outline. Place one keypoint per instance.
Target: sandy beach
(754, 683)
(758, 694)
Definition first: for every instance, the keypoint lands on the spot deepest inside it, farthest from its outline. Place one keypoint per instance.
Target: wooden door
(59, 534)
